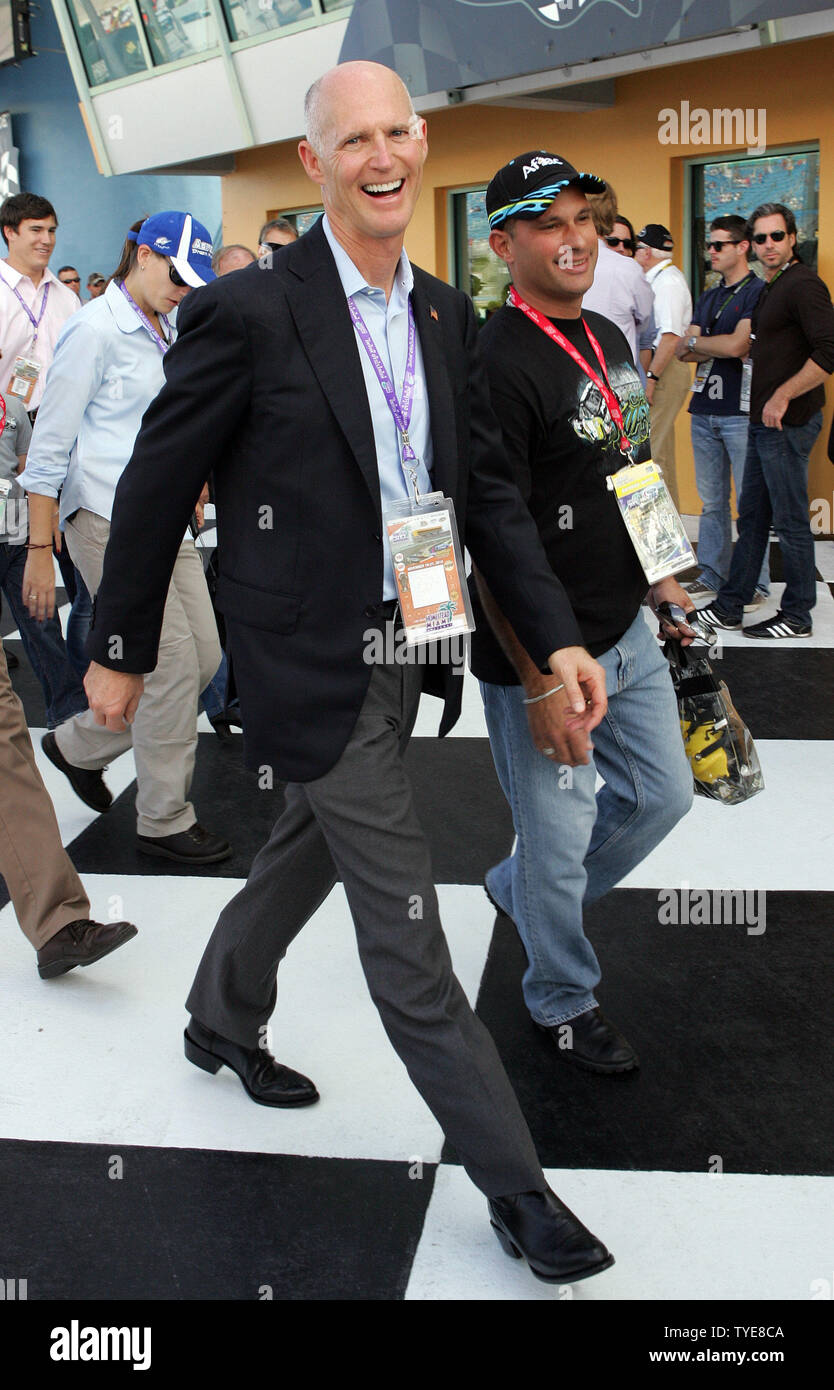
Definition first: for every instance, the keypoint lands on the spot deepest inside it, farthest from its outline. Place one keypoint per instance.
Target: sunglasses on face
(761, 237)
(71, 280)
(620, 241)
(175, 277)
(717, 245)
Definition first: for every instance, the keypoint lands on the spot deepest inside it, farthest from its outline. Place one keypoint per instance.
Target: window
(177, 28)
(249, 19)
(475, 268)
(739, 185)
(108, 39)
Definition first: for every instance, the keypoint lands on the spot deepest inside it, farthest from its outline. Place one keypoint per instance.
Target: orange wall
(467, 145)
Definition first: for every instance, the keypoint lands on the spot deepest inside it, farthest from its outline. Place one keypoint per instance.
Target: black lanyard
(731, 296)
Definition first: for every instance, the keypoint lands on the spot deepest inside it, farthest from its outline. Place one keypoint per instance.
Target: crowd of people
(312, 390)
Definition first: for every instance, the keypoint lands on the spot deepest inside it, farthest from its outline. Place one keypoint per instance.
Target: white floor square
(673, 1236)
(96, 1056)
(781, 839)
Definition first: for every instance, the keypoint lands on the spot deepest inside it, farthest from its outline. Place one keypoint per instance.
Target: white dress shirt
(16, 329)
(621, 292)
(387, 323)
(104, 375)
(672, 300)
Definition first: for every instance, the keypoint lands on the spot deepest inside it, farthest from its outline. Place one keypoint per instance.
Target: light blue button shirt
(388, 326)
(104, 375)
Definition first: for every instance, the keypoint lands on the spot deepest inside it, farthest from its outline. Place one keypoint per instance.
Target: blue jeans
(574, 844)
(63, 693)
(719, 443)
(775, 490)
(78, 626)
(213, 698)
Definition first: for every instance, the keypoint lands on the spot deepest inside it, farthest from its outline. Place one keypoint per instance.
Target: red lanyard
(602, 385)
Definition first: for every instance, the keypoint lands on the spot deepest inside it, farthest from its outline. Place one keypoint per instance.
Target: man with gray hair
(322, 387)
(278, 232)
(233, 257)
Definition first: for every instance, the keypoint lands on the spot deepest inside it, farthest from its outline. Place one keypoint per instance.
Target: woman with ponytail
(106, 370)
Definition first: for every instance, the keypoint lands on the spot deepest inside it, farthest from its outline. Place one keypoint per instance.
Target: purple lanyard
(35, 322)
(400, 409)
(146, 323)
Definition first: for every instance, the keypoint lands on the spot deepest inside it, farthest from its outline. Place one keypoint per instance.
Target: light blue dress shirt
(104, 375)
(387, 324)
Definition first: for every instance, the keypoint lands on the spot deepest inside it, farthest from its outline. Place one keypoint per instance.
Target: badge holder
(25, 373)
(702, 372)
(5, 489)
(652, 521)
(428, 568)
(746, 384)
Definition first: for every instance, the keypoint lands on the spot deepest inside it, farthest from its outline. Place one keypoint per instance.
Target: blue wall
(56, 161)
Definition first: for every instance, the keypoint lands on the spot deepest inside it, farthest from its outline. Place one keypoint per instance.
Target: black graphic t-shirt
(562, 445)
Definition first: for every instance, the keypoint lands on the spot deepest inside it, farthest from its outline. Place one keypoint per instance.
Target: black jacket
(264, 388)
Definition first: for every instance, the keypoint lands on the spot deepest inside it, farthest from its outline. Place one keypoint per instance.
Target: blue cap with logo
(185, 242)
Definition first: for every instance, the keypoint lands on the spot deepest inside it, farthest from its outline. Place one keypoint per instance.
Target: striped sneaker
(716, 617)
(778, 626)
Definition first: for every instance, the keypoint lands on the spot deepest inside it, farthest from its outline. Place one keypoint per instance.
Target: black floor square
(733, 1031)
(205, 1224)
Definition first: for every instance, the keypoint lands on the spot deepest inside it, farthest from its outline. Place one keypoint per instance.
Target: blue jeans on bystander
(775, 490)
(719, 444)
(63, 693)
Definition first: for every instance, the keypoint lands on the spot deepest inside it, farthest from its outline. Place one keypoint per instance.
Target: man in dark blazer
(267, 388)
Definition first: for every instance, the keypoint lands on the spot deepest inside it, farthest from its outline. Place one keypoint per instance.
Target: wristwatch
(652, 376)
(691, 341)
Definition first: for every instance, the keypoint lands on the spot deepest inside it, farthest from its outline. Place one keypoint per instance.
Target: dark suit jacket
(265, 389)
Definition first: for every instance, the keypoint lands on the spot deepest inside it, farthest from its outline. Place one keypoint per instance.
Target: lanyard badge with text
(657, 532)
(26, 370)
(421, 530)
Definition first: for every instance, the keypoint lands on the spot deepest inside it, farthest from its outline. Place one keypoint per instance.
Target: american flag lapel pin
(433, 314)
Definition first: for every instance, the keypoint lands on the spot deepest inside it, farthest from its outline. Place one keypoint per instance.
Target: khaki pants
(669, 395)
(45, 890)
(163, 734)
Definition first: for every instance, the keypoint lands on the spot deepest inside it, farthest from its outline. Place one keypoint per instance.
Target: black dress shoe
(225, 722)
(537, 1227)
(196, 845)
(81, 943)
(595, 1043)
(86, 783)
(264, 1080)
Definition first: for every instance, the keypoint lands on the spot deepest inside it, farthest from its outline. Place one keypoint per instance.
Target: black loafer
(537, 1227)
(81, 943)
(265, 1081)
(196, 845)
(593, 1043)
(87, 784)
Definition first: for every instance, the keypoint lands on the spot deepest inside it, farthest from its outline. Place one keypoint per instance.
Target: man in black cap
(567, 395)
(669, 379)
